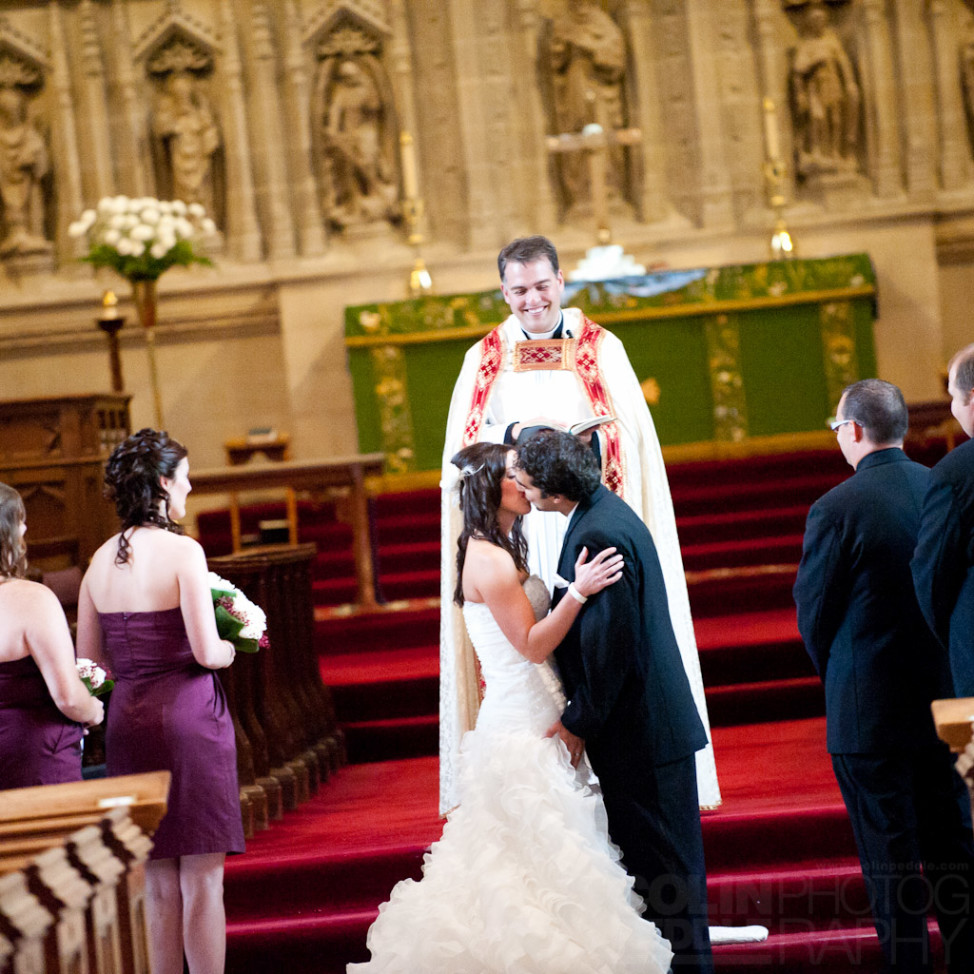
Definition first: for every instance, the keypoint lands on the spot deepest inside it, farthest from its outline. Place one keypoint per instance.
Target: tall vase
(145, 297)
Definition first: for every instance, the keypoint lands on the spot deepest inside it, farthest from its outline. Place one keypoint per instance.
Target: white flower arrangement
(93, 677)
(143, 237)
(237, 618)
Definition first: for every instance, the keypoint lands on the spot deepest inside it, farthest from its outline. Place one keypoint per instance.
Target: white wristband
(576, 595)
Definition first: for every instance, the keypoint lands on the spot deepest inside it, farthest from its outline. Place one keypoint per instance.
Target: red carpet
(779, 850)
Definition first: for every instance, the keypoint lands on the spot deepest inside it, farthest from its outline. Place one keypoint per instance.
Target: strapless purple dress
(168, 713)
(38, 744)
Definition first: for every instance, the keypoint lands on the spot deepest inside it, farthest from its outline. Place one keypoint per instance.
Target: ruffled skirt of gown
(524, 879)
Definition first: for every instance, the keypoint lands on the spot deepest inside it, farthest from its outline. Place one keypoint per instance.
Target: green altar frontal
(722, 353)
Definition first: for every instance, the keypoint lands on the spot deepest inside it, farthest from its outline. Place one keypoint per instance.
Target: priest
(548, 366)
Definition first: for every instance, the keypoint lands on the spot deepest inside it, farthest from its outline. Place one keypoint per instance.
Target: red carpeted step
(366, 632)
(775, 896)
(407, 504)
(342, 590)
(312, 944)
(411, 528)
(783, 549)
(779, 852)
(765, 700)
(384, 684)
(766, 522)
(721, 497)
(392, 739)
(761, 468)
(742, 648)
(730, 590)
(410, 556)
(320, 880)
(416, 584)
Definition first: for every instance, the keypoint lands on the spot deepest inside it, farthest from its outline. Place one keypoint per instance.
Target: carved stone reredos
(369, 16)
(22, 62)
(175, 43)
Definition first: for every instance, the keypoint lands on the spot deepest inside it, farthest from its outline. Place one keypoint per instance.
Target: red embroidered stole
(586, 368)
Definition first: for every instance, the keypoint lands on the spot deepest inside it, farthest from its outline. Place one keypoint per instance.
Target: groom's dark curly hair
(559, 463)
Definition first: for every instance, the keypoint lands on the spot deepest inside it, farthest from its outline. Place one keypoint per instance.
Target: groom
(628, 697)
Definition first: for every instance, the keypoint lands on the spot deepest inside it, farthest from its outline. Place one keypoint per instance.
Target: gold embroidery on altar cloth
(545, 355)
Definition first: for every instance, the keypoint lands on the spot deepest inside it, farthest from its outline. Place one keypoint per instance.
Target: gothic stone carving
(354, 128)
(825, 96)
(25, 187)
(186, 135)
(583, 62)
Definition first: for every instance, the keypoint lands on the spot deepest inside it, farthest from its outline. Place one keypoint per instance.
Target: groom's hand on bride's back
(574, 743)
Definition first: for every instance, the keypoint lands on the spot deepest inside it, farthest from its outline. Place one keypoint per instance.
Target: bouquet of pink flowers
(94, 677)
(237, 618)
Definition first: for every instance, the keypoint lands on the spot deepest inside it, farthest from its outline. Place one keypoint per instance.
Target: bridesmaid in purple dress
(44, 706)
(145, 608)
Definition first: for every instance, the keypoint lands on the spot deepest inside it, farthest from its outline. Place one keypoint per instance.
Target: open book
(543, 423)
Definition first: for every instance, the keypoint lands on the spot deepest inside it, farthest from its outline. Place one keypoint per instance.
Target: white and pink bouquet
(94, 677)
(237, 618)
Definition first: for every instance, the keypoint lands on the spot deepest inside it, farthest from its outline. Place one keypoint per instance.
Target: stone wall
(283, 118)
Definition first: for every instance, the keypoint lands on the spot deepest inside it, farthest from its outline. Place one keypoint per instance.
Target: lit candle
(771, 130)
(410, 184)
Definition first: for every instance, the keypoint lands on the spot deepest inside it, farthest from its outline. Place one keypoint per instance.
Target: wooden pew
(955, 725)
(24, 924)
(66, 896)
(72, 874)
(101, 870)
(32, 819)
(287, 736)
(132, 846)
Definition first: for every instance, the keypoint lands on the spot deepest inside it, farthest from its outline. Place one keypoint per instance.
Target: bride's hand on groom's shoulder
(603, 570)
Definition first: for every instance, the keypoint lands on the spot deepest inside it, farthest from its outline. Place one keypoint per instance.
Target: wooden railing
(345, 474)
(955, 725)
(288, 740)
(72, 875)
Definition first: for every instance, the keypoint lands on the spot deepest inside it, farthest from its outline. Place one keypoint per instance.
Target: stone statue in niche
(186, 130)
(967, 78)
(825, 97)
(586, 64)
(24, 164)
(354, 133)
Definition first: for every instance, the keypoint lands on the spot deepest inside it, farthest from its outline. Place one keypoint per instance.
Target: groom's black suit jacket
(630, 699)
(628, 692)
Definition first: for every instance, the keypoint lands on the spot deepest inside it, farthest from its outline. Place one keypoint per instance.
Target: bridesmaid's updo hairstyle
(483, 468)
(133, 482)
(13, 551)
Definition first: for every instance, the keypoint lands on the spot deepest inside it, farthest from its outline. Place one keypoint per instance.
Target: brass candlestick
(782, 243)
(111, 322)
(420, 281)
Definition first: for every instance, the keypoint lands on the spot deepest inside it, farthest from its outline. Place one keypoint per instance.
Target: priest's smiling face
(533, 291)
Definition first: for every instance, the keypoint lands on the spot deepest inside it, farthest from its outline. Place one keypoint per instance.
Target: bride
(524, 879)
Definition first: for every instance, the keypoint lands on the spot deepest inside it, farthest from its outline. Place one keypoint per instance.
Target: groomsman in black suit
(943, 565)
(629, 701)
(881, 666)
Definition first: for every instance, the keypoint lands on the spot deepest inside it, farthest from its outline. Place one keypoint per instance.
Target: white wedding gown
(524, 879)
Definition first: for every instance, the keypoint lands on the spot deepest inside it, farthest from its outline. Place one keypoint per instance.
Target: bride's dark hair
(132, 481)
(13, 551)
(483, 468)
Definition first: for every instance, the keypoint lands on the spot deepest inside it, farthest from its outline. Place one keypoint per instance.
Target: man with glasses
(881, 666)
